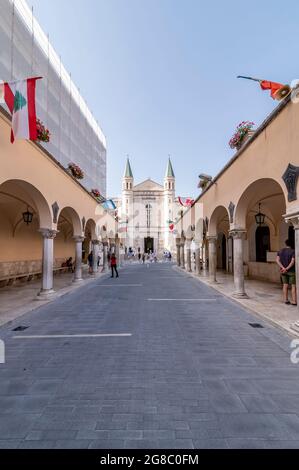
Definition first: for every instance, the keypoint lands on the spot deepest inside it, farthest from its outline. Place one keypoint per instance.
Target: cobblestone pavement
(188, 371)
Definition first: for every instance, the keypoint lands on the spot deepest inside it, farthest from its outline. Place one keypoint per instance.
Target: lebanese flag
(272, 86)
(24, 111)
(185, 201)
(7, 96)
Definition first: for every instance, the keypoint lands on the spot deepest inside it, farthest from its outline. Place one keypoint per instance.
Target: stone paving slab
(192, 375)
(264, 299)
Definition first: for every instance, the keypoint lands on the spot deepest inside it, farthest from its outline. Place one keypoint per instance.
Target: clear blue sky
(160, 75)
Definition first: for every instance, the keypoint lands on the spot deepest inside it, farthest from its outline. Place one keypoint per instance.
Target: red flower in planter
(241, 132)
(76, 171)
(43, 134)
(96, 193)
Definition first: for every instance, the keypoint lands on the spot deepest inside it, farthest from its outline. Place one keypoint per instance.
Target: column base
(46, 294)
(77, 281)
(240, 295)
(213, 281)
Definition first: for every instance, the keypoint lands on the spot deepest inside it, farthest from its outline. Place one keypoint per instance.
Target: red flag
(186, 201)
(273, 86)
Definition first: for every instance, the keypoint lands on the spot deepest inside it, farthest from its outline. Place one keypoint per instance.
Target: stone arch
(21, 242)
(262, 190)
(25, 195)
(189, 233)
(90, 231)
(199, 229)
(70, 216)
(219, 215)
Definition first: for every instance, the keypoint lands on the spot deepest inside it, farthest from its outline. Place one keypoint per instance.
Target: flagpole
(70, 119)
(48, 71)
(60, 91)
(12, 40)
(32, 41)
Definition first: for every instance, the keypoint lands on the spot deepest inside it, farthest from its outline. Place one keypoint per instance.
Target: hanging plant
(243, 131)
(96, 193)
(76, 171)
(43, 134)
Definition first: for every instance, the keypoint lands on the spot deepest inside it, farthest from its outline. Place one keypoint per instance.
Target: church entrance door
(148, 245)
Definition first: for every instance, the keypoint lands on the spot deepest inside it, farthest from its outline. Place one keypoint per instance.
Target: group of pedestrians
(112, 262)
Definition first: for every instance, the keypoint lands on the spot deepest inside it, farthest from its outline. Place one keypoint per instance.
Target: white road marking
(122, 285)
(107, 335)
(182, 300)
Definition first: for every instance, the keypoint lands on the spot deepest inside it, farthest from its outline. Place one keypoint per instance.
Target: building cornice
(7, 118)
(258, 131)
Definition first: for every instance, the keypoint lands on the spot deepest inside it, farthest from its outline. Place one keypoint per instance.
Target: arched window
(148, 208)
(262, 243)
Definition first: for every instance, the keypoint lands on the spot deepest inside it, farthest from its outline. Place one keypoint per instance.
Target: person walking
(286, 262)
(113, 264)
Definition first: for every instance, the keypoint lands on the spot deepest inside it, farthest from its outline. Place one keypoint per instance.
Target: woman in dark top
(113, 264)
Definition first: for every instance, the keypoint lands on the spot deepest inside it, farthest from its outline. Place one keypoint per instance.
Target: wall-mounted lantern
(27, 217)
(260, 217)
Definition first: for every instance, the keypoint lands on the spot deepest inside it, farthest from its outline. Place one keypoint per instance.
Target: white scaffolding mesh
(75, 135)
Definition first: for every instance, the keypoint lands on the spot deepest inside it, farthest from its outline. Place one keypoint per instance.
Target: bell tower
(127, 202)
(169, 201)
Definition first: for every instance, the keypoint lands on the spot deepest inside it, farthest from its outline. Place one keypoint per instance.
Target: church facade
(146, 212)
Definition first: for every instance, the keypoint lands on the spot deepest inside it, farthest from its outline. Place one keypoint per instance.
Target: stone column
(294, 219)
(47, 290)
(230, 254)
(182, 253)
(117, 250)
(105, 249)
(112, 245)
(197, 257)
(212, 258)
(188, 253)
(238, 237)
(78, 259)
(178, 251)
(95, 254)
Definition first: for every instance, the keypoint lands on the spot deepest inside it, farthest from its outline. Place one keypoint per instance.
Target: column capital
(293, 219)
(95, 242)
(238, 234)
(212, 238)
(79, 239)
(177, 241)
(48, 233)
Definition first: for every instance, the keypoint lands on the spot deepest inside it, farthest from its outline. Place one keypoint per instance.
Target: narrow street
(153, 359)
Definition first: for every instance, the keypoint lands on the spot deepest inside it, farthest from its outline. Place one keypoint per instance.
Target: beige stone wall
(31, 178)
(266, 157)
(254, 176)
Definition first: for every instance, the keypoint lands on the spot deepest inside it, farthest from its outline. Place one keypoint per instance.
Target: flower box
(243, 132)
(96, 193)
(75, 171)
(43, 134)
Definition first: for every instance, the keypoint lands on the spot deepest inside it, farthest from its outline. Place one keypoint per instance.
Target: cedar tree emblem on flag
(19, 97)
